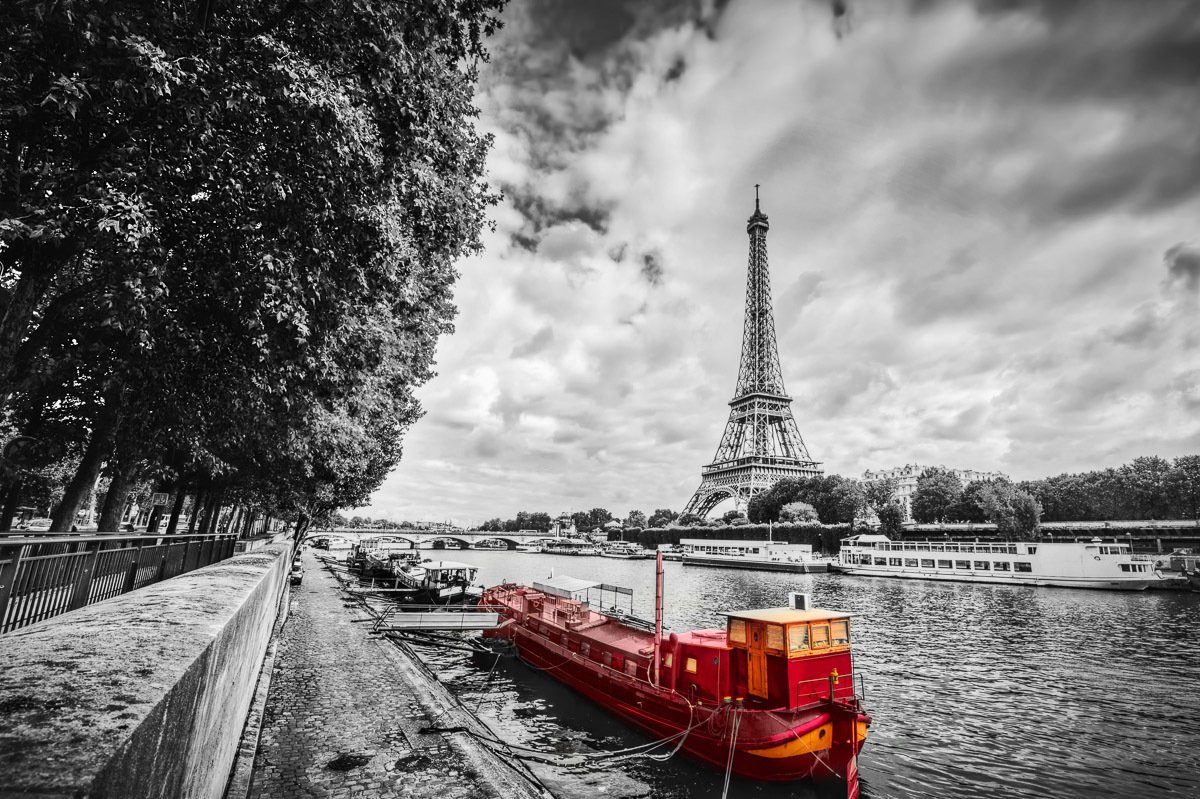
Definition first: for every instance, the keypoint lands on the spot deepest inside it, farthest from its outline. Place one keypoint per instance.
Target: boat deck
(574, 616)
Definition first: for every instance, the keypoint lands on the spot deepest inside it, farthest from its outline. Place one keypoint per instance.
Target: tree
(878, 494)
(635, 519)
(1147, 482)
(662, 517)
(265, 208)
(1027, 515)
(1183, 485)
(689, 520)
(730, 515)
(798, 512)
(938, 492)
(891, 517)
(972, 503)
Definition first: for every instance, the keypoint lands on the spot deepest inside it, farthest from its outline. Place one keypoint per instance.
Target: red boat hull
(816, 742)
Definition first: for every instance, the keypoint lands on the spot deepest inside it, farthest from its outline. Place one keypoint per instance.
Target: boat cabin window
(880, 561)
(926, 563)
(1001, 566)
(820, 636)
(585, 648)
(1020, 566)
(631, 668)
(943, 564)
(962, 564)
(775, 637)
(1032, 550)
(737, 631)
(910, 561)
(893, 561)
(840, 632)
(690, 666)
(669, 661)
(982, 565)
(798, 637)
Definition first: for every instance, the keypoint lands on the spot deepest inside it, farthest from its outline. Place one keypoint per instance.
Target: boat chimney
(799, 601)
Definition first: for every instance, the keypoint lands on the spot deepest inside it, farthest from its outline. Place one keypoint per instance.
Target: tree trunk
(14, 324)
(198, 500)
(250, 514)
(114, 500)
(235, 519)
(12, 499)
(177, 507)
(98, 449)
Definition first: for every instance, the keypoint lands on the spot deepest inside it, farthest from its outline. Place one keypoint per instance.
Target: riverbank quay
(349, 715)
(142, 695)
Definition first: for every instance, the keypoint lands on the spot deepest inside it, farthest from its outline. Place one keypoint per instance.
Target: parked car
(38, 525)
(297, 572)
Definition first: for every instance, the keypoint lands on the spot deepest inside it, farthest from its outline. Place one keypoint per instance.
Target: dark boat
(771, 696)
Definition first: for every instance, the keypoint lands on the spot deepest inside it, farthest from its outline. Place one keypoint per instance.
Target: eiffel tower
(761, 444)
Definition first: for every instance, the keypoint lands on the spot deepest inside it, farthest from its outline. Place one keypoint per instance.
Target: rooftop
(786, 615)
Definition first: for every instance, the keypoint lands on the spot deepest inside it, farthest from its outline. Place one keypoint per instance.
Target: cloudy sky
(984, 245)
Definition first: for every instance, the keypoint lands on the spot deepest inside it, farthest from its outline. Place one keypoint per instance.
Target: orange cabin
(783, 657)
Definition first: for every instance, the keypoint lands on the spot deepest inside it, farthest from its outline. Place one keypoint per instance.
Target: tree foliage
(837, 500)
(228, 241)
(937, 495)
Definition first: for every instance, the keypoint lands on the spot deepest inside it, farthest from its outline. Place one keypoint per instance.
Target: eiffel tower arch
(761, 444)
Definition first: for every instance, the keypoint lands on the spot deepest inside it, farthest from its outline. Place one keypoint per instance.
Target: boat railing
(858, 686)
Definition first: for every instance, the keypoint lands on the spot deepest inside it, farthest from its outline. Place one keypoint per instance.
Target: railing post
(8, 578)
(83, 581)
(131, 578)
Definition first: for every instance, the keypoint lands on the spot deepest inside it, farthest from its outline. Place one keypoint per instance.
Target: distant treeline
(1145, 488)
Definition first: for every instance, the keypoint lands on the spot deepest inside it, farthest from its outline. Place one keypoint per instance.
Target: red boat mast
(658, 608)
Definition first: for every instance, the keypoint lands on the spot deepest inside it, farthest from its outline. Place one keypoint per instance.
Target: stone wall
(144, 695)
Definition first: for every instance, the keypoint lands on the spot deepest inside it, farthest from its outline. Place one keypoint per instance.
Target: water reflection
(976, 690)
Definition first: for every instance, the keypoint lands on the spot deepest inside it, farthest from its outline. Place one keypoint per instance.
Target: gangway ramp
(440, 621)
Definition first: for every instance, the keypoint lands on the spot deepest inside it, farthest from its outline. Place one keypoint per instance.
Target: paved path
(344, 710)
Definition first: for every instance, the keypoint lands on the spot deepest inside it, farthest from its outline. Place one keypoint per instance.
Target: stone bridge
(464, 539)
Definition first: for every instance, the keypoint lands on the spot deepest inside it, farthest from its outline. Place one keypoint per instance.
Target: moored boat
(1064, 564)
(771, 696)
(734, 554)
(626, 550)
(569, 546)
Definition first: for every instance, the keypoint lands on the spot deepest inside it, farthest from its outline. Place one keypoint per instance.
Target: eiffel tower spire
(761, 444)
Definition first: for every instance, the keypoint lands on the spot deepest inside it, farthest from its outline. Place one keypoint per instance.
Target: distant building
(906, 480)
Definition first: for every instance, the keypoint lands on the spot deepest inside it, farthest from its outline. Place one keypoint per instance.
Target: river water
(975, 690)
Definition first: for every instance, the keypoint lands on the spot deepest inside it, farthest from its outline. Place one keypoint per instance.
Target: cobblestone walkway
(343, 714)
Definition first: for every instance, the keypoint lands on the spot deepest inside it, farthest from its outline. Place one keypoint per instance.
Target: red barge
(770, 697)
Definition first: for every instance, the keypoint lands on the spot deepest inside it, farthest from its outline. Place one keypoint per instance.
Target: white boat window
(1001, 566)
(798, 637)
(1021, 566)
(775, 637)
(737, 631)
(910, 561)
(893, 561)
(962, 564)
(982, 565)
(926, 563)
(943, 564)
(880, 561)
(1032, 550)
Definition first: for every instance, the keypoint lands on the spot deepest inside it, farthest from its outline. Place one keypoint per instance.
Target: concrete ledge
(144, 695)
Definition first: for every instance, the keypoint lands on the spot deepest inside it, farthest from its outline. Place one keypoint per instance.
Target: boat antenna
(658, 612)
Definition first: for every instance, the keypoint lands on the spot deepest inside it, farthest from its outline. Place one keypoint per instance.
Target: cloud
(1183, 267)
(969, 206)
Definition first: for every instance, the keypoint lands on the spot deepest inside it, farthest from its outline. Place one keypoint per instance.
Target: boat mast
(658, 607)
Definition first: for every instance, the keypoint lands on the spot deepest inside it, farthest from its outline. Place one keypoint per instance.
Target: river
(975, 690)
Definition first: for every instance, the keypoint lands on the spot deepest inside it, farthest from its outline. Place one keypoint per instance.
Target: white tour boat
(763, 555)
(1070, 564)
(626, 550)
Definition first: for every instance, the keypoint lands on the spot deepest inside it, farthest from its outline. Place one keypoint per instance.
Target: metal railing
(45, 576)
